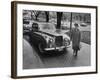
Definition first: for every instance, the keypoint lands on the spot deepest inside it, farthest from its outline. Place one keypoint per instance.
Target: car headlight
(66, 41)
(45, 37)
(51, 42)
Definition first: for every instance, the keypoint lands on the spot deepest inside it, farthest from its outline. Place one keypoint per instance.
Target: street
(34, 60)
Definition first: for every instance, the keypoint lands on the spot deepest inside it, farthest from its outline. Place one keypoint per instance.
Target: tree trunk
(47, 16)
(71, 21)
(59, 16)
(71, 24)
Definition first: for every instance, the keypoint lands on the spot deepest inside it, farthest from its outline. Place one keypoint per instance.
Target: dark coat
(75, 37)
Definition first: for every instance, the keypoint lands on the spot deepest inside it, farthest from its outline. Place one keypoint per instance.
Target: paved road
(32, 59)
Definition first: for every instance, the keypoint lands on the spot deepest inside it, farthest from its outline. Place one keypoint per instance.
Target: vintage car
(83, 24)
(27, 26)
(48, 38)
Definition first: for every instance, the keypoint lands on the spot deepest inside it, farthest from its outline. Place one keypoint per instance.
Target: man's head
(76, 25)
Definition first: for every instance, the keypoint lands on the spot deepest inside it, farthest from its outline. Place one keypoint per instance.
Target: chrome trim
(56, 48)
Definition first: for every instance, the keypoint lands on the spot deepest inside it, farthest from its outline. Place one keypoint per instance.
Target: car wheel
(41, 48)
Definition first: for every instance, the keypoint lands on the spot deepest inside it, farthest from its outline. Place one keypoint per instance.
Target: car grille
(59, 41)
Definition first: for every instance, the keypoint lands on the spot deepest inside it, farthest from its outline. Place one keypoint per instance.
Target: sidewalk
(84, 55)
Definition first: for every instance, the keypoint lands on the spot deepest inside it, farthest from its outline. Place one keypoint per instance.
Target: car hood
(52, 33)
(55, 32)
(49, 34)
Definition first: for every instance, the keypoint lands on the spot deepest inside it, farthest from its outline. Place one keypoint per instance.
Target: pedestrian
(75, 37)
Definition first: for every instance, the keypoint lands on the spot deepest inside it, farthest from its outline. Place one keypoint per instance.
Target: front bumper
(56, 48)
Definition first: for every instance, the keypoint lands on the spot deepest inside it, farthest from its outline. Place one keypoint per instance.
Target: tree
(47, 16)
(71, 16)
(59, 16)
(35, 14)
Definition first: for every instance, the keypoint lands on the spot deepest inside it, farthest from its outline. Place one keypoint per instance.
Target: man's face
(76, 26)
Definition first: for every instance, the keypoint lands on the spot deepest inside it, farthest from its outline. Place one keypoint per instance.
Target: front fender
(37, 39)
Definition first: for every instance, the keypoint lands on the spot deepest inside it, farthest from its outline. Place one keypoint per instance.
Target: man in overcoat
(76, 38)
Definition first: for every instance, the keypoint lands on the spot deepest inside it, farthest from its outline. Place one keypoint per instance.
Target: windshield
(47, 27)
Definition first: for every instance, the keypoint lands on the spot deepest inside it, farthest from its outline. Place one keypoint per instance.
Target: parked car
(83, 24)
(27, 26)
(48, 38)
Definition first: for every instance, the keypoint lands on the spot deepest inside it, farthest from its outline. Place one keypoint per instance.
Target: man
(75, 37)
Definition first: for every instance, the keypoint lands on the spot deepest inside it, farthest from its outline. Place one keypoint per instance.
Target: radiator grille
(59, 41)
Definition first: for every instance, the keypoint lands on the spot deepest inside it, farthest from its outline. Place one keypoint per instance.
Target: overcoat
(76, 38)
